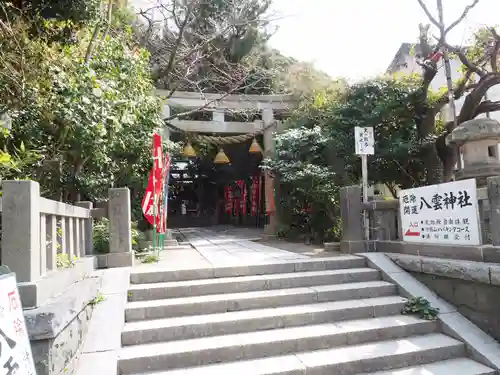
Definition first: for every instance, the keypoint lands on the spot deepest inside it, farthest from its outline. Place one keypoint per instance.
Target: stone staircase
(315, 316)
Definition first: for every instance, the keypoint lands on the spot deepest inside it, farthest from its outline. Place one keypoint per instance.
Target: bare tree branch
(462, 16)
(487, 106)
(496, 50)
(474, 98)
(195, 52)
(178, 41)
(108, 19)
(429, 14)
(207, 105)
(464, 60)
(458, 91)
(93, 39)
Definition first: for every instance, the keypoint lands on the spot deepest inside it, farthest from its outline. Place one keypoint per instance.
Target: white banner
(15, 349)
(364, 140)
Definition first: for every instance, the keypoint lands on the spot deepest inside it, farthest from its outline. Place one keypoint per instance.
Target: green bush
(100, 235)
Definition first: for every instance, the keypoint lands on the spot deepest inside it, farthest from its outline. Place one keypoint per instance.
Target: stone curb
(486, 273)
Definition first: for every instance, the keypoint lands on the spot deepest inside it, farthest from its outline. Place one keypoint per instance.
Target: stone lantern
(478, 140)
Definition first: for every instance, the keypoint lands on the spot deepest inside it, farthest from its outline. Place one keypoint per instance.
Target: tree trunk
(74, 194)
(447, 156)
(433, 165)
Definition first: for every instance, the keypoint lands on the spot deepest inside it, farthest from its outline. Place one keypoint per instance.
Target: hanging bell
(221, 157)
(255, 147)
(189, 151)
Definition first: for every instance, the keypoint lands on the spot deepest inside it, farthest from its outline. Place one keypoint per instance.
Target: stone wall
(472, 287)
(478, 302)
(57, 329)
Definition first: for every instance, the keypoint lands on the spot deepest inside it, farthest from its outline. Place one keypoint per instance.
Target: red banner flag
(238, 203)
(153, 192)
(255, 194)
(158, 163)
(228, 199)
(243, 202)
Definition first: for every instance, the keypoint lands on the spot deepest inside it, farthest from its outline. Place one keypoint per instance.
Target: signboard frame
(444, 221)
(364, 136)
(19, 357)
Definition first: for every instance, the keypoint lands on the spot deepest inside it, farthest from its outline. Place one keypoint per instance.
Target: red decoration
(255, 194)
(240, 204)
(244, 201)
(228, 197)
(153, 192)
(436, 57)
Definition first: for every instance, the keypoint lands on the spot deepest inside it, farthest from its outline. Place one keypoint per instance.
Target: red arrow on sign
(410, 233)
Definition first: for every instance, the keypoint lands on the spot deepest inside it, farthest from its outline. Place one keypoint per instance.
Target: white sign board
(365, 141)
(441, 214)
(15, 349)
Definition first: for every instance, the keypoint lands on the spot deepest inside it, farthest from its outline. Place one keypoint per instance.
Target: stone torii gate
(267, 105)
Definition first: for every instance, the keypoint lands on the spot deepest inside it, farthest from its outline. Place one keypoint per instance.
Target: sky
(357, 39)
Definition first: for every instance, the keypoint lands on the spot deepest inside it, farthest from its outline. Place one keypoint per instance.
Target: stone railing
(48, 244)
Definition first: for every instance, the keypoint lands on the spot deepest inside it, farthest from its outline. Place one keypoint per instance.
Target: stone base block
(57, 329)
(353, 247)
(34, 294)
(269, 230)
(268, 237)
(170, 242)
(168, 234)
(113, 260)
(332, 246)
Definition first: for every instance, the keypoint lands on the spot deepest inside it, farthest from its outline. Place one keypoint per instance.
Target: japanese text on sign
(365, 142)
(15, 349)
(443, 214)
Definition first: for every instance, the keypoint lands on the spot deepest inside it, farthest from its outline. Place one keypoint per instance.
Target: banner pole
(155, 208)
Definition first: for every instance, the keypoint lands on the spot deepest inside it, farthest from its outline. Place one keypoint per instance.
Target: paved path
(224, 249)
(212, 248)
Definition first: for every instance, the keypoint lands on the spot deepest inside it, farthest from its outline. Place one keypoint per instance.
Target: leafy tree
(380, 103)
(308, 184)
(76, 11)
(66, 17)
(90, 116)
(315, 155)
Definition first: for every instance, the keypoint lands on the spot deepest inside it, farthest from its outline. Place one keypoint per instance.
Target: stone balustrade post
(270, 128)
(21, 250)
(493, 186)
(385, 214)
(352, 216)
(86, 231)
(120, 232)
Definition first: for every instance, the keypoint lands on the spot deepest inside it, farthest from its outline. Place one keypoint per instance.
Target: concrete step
(162, 330)
(144, 292)
(250, 345)
(217, 303)
(345, 360)
(313, 264)
(458, 366)
(176, 247)
(170, 242)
